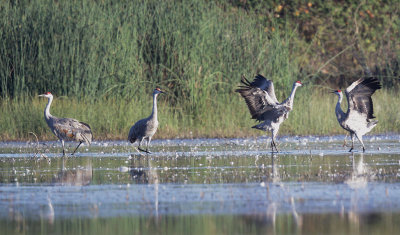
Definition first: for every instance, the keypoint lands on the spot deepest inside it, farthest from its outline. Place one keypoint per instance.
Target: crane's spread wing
(359, 96)
(264, 84)
(68, 128)
(261, 105)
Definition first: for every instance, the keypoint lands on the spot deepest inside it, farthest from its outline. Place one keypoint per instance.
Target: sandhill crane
(147, 127)
(67, 128)
(263, 105)
(358, 118)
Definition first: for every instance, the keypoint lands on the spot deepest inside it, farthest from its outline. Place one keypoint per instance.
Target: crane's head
(158, 91)
(47, 95)
(298, 83)
(337, 92)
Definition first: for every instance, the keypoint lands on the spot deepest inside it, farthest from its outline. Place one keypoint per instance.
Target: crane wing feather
(359, 96)
(266, 85)
(68, 128)
(137, 130)
(258, 100)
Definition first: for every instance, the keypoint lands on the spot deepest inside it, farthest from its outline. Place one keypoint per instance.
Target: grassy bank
(111, 119)
(103, 59)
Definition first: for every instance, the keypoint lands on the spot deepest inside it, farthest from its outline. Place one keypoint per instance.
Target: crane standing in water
(66, 128)
(263, 105)
(358, 118)
(147, 127)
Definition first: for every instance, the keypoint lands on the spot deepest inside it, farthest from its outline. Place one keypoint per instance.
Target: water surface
(213, 186)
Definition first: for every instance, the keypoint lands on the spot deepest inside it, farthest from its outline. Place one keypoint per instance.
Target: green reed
(102, 59)
(88, 49)
(313, 113)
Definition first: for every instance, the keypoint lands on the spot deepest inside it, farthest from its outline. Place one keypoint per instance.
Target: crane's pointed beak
(41, 95)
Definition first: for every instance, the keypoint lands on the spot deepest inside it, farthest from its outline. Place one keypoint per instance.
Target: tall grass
(111, 118)
(102, 59)
(92, 49)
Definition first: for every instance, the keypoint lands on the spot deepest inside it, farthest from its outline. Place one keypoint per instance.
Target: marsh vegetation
(101, 60)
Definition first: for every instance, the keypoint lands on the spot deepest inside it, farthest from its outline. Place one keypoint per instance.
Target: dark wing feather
(359, 95)
(86, 132)
(68, 128)
(256, 98)
(264, 84)
(137, 130)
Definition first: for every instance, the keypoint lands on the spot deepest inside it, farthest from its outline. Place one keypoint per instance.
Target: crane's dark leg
(352, 142)
(62, 143)
(273, 144)
(77, 147)
(140, 143)
(148, 143)
(344, 142)
(362, 143)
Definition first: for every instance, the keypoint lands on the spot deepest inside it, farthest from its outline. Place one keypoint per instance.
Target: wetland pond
(202, 186)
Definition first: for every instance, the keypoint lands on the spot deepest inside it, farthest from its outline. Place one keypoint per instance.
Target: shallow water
(213, 186)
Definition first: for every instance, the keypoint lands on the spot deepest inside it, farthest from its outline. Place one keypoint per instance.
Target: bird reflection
(76, 177)
(47, 211)
(142, 171)
(275, 178)
(358, 181)
(358, 178)
(274, 175)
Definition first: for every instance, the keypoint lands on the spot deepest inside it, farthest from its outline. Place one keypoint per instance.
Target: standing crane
(360, 112)
(263, 105)
(147, 127)
(66, 129)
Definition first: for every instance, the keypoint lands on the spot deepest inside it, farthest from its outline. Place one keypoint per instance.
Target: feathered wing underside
(71, 129)
(266, 85)
(359, 96)
(258, 100)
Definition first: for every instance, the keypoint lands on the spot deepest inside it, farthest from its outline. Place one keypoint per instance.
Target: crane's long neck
(154, 112)
(289, 101)
(338, 111)
(47, 114)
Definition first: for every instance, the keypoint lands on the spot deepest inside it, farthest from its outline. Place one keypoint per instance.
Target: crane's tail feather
(86, 137)
(86, 134)
(132, 136)
(132, 140)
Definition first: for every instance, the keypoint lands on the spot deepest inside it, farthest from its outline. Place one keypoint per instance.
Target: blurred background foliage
(117, 51)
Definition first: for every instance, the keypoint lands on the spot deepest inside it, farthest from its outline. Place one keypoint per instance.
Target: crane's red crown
(299, 82)
(339, 91)
(158, 89)
(48, 93)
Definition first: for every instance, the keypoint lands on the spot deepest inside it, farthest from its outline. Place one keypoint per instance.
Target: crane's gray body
(143, 129)
(67, 129)
(358, 118)
(263, 105)
(147, 127)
